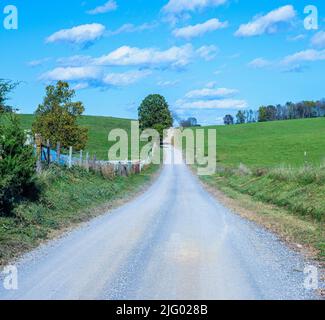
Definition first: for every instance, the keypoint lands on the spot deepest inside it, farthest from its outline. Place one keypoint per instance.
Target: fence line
(45, 154)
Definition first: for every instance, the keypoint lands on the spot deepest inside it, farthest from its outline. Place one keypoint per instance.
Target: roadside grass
(68, 197)
(289, 201)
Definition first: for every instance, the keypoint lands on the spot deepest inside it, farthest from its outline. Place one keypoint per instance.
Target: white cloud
(259, 63)
(310, 55)
(131, 28)
(174, 57)
(318, 40)
(37, 63)
(234, 56)
(72, 74)
(211, 93)
(126, 78)
(295, 69)
(199, 29)
(89, 70)
(210, 98)
(84, 77)
(207, 52)
(110, 5)
(167, 83)
(267, 23)
(211, 84)
(298, 37)
(86, 68)
(297, 62)
(74, 61)
(82, 34)
(180, 6)
(212, 104)
(81, 86)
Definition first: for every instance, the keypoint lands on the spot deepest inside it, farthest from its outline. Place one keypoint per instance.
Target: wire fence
(46, 155)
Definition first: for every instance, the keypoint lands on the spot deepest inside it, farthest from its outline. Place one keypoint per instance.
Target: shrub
(17, 165)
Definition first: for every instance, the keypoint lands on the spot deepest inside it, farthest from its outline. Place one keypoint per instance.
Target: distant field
(272, 144)
(98, 127)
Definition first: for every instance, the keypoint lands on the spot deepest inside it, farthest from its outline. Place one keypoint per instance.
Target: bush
(17, 165)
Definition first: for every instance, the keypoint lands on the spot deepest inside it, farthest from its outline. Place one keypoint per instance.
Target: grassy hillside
(99, 128)
(272, 144)
(276, 185)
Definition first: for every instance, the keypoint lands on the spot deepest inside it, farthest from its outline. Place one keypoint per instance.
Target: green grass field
(272, 144)
(98, 127)
(268, 144)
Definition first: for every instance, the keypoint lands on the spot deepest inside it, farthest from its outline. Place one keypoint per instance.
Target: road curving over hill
(173, 242)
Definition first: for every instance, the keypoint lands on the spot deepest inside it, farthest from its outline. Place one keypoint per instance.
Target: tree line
(288, 111)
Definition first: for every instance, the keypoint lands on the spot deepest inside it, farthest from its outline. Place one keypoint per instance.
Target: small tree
(228, 119)
(262, 114)
(154, 113)
(241, 118)
(57, 118)
(190, 122)
(6, 86)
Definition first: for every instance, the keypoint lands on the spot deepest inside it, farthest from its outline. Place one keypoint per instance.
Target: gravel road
(175, 241)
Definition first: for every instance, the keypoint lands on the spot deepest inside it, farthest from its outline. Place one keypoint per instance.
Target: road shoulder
(298, 234)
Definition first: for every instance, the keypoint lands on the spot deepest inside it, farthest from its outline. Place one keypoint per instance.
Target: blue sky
(207, 57)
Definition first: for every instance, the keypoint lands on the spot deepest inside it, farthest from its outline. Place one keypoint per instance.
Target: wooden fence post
(48, 146)
(94, 163)
(87, 161)
(58, 152)
(81, 157)
(70, 157)
(38, 143)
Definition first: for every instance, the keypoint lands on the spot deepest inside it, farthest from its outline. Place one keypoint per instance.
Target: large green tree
(57, 117)
(154, 113)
